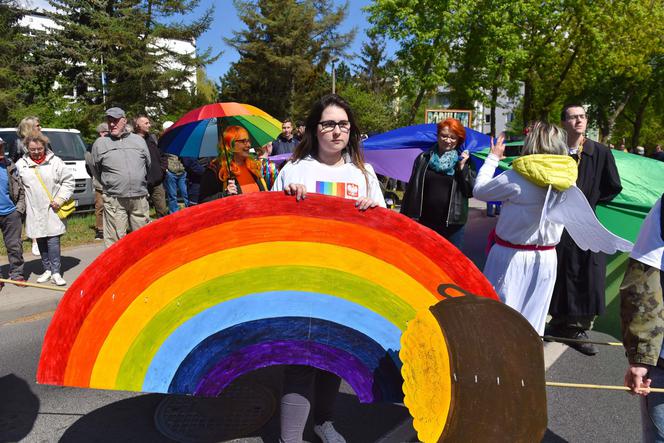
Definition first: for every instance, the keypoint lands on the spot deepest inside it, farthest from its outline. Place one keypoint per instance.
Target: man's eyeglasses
(328, 125)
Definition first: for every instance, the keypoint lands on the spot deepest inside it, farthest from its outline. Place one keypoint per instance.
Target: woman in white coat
(540, 198)
(44, 173)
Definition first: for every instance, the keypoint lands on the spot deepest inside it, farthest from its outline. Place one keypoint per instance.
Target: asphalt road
(33, 413)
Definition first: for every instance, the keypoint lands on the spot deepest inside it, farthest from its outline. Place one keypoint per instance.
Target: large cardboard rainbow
(196, 299)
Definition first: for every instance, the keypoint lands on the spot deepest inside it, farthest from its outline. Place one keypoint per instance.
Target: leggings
(304, 385)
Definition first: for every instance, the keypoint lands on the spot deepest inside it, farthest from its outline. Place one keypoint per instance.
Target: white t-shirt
(346, 181)
(649, 246)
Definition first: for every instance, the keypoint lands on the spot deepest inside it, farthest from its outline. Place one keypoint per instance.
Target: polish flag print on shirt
(346, 190)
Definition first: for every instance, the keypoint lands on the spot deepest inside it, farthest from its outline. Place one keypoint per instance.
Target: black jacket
(462, 190)
(155, 173)
(283, 146)
(581, 276)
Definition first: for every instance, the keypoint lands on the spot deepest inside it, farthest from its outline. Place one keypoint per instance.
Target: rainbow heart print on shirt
(338, 189)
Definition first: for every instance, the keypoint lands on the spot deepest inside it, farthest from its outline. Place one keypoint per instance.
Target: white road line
(552, 352)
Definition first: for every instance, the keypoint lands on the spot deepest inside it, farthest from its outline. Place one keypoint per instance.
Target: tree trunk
(494, 101)
(611, 120)
(527, 102)
(638, 118)
(420, 95)
(416, 106)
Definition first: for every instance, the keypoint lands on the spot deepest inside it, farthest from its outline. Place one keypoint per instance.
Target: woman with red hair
(234, 171)
(441, 184)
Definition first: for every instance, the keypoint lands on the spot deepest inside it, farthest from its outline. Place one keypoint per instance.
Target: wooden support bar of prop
(587, 386)
(575, 340)
(33, 285)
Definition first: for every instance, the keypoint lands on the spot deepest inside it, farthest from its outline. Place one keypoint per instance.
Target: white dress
(534, 215)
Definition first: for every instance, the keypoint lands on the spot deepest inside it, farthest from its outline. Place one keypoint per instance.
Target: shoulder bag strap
(36, 169)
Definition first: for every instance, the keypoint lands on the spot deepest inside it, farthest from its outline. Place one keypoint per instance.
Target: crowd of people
(540, 260)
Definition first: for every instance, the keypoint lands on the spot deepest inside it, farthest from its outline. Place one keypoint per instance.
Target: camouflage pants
(642, 313)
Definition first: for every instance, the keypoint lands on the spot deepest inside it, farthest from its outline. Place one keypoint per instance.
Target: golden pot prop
(473, 371)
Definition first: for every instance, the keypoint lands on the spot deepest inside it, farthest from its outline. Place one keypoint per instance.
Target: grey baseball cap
(115, 112)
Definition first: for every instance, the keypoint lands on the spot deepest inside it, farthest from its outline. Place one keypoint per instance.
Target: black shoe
(584, 348)
(551, 332)
(99, 235)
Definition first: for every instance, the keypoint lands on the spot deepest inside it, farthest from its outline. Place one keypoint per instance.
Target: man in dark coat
(156, 191)
(578, 295)
(286, 142)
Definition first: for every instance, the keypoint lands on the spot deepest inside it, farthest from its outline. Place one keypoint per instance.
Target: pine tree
(284, 51)
(372, 70)
(13, 46)
(118, 53)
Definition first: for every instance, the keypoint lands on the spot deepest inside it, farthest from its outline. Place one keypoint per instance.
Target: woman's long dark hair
(309, 143)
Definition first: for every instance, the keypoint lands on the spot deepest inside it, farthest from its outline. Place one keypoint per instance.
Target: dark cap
(115, 112)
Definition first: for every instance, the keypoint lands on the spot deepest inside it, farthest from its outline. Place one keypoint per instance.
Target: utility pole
(334, 75)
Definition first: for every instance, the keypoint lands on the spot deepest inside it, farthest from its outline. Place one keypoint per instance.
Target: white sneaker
(58, 280)
(35, 249)
(46, 276)
(328, 434)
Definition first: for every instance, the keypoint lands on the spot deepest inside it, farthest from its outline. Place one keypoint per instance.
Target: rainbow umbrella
(197, 133)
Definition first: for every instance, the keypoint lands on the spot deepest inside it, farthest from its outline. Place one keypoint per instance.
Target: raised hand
(498, 149)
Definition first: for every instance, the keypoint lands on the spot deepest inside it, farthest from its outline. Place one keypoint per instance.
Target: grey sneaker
(328, 434)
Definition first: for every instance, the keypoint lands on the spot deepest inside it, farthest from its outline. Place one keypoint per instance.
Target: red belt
(507, 244)
(493, 238)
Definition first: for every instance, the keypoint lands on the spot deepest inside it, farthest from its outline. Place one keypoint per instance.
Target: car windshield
(66, 145)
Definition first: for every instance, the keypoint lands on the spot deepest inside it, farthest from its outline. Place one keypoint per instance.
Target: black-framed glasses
(328, 125)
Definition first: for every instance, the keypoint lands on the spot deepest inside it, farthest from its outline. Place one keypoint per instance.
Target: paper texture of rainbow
(196, 299)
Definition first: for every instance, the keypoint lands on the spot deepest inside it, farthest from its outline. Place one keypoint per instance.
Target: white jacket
(40, 219)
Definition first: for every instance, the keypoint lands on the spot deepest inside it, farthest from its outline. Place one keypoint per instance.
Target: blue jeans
(49, 249)
(652, 409)
(174, 183)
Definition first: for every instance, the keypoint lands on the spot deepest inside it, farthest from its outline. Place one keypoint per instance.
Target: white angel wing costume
(571, 209)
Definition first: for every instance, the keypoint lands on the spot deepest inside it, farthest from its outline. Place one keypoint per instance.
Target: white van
(68, 145)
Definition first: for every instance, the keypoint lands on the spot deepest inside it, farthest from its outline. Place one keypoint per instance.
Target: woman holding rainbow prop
(540, 198)
(234, 171)
(328, 160)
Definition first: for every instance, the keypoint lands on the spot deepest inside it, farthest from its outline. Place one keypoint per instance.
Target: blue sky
(226, 21)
